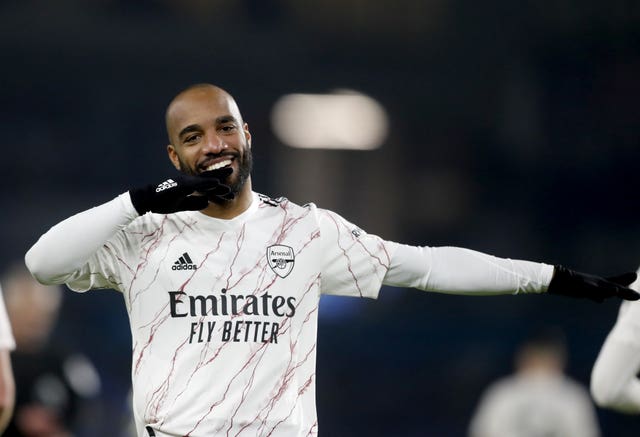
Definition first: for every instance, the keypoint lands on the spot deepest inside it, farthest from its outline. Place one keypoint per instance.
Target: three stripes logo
(169, 183)
(184, 263)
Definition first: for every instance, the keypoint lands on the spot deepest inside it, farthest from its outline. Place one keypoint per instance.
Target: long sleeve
(614, 380)
(456, 270)
(67, 246)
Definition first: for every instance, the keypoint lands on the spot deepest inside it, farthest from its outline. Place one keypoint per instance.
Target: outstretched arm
(463, 271)
(455, 270)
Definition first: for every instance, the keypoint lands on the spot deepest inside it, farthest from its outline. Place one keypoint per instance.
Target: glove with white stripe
(182, 193)
(582, 285)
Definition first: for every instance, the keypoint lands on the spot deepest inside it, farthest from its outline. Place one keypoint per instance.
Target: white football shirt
(223, 313)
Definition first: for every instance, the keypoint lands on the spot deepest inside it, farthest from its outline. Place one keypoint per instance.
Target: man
(614, 379)
(538, 399)
(7, 382)
(222, 284)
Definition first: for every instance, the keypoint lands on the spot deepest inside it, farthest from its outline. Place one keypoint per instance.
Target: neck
(233, 208)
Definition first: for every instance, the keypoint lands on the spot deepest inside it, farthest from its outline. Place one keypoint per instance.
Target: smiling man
(222, 284)
(201, 142)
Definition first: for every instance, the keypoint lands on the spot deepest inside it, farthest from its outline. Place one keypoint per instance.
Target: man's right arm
(67, 246)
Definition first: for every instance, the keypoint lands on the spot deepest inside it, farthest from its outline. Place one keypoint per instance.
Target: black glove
(220, 192)
(177, 194)
(575, 284)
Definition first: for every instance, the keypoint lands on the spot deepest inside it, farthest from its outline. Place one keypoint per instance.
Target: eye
(228, 128)
(192, 138)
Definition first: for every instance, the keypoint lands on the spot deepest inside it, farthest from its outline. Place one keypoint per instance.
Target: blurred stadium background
(513, 128)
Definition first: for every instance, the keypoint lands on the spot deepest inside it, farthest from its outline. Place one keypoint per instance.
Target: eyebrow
(196, 127)
(226, 119)
(188, 129)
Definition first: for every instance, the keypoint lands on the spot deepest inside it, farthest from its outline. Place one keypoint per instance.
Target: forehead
(200, 106)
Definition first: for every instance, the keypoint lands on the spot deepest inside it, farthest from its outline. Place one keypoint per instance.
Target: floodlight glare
(341, 120)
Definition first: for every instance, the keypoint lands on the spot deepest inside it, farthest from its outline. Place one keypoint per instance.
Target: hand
(575, 284)
(182, 193)
(221, 191)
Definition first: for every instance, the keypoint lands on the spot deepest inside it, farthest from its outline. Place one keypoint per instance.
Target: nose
(214, 144)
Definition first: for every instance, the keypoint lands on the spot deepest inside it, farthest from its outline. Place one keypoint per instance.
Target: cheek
(187, 156)
(181, 162)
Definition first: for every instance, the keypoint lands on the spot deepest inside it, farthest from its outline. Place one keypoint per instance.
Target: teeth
(218, 165)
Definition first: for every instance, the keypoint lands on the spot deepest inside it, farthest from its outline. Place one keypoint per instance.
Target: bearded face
(236, 180)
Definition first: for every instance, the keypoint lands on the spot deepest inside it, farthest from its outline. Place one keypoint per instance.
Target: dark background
(514, 130)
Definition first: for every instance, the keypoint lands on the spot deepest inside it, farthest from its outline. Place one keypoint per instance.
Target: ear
(173, 156)
(247, 134)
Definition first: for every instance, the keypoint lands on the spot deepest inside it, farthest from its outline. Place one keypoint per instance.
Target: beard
(233, 181)
(245, 166)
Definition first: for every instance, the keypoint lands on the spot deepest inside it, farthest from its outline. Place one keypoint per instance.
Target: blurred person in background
(538, 400)
(7, 383)
(53, 382)
(222, 284)
(614, 379)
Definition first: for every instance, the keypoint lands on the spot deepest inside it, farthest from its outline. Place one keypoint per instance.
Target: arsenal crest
(280, 259)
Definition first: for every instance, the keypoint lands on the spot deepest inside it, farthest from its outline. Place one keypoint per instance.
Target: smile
(217, 165)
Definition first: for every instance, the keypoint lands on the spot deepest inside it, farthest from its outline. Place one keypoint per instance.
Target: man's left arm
(457, 270)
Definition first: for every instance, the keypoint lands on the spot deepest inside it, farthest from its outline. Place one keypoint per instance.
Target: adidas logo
(169, 183)
(184, 263)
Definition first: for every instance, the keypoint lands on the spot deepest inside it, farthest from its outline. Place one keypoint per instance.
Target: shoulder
(151, 220)
(284, 205)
